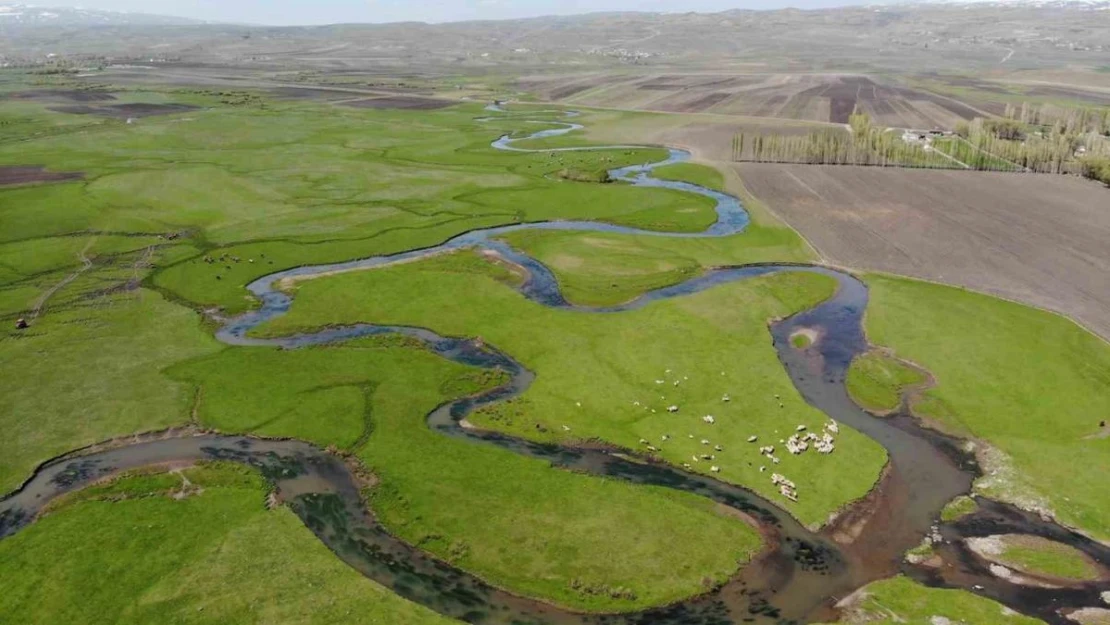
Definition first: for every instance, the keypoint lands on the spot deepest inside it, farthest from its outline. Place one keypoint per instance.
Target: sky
(294, 12)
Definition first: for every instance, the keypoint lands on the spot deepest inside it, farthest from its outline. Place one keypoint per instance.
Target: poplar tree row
(864, 145)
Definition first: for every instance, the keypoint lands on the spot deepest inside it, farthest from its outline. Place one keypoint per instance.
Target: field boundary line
(1005, 298)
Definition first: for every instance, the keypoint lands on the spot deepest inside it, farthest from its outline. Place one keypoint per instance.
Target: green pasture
(596, 268)
(89, 368)
(876, 381)
(902, 601)
(1032, 554)
(515, 521)
(959, 507)
(597, 373)
(302, 182)
(128, 552)
(1031, 384)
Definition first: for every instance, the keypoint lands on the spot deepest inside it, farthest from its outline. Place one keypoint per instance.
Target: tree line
(865, 144)
(1041, 139)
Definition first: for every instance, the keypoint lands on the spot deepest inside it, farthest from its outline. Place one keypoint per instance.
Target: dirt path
(86, 264)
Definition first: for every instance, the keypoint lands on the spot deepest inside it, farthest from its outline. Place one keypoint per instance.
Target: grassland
(958, 507)
(90, 372)
(692, 172)
(436, 492)
(876, 381)
(294, 183)
(265, 188)
(128, 552)
(1031, 554)
(602, 268)
(592, 385)
(118, 348)
(1029, 383)
(905, 602)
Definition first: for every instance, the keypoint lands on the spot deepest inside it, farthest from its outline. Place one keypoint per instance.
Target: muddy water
(796, 580)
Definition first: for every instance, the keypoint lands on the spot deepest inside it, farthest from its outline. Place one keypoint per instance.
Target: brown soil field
(401, 102)
(71, 95)
(1079, 95)
(309, 93)
(1035, 238)
(815, 97)
(27, 174)
(123, 111)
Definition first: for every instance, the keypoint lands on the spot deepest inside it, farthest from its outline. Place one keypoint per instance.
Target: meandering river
(798, 578)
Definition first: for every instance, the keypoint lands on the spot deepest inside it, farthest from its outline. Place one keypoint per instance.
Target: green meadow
(129, 552)
(121, 274)
(614, 376)
(876, 381)
(902, 601)
(112, 273)
(1033, 386)
(598, 268)
(1032, 554)
(437, 492)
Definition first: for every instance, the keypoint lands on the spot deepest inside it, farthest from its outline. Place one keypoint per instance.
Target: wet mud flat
(956, 564)
(124, 111)
(401, 102)
(797, 578)
(30, 174)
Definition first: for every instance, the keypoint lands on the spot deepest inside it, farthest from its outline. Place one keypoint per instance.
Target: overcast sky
(286, 12)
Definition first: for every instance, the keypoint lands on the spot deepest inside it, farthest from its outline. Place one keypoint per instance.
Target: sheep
(704, 441)
(753, 438)
(709, 419)
(726, 398)
(566, 428)
(672, 408)
(800, 428)
(718, 448)
(715, 469)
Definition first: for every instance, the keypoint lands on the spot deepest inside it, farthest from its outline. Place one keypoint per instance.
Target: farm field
(813, 97)
(400, 284)
(1037, 239)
